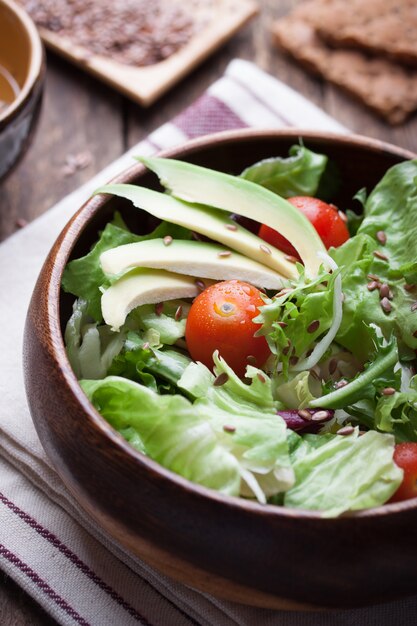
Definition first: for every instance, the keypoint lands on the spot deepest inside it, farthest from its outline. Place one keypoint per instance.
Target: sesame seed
(346, 430)
(199, 284)
(229, 429)
(305, 414)
(320, 416)
(224, 254)
(265, 249)
(221, 379)
(373, 277)
(380, 255)
(409, 287)
(178, 313)
(231, 227)
(388, 391)
(313, 326)
(372, 285)
(159, 307)
(343, 216)
(167, 240)
(386, 305)
(291, 258)
(414, 307)
(261, 377)
(382, 238)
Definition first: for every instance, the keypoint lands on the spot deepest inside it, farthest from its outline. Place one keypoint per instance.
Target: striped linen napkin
(47, 544)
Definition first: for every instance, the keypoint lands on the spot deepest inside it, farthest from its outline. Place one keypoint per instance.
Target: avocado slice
(144, 286)
(207, 221)
(193, 183)
(195, 258)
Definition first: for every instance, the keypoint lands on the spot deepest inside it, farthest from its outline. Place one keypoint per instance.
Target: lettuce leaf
(336, 473)
(239, 453)
(159, 369)
(300, 174)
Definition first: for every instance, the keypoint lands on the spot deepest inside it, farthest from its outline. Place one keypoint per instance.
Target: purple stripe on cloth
(34, 577)
(264, 103)
(57, 543)
(207, 115)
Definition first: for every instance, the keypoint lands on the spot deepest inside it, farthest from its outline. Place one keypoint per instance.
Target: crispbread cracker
(385, 27)
(386, 87)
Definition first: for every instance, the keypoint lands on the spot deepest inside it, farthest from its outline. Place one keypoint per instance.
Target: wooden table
(80, 115)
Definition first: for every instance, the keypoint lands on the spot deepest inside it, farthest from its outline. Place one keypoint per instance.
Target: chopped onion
(321, 348)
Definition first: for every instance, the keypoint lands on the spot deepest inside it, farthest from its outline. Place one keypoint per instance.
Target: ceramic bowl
(261, 555)
(22, 69)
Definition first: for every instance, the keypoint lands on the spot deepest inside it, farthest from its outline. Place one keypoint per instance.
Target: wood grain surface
(82, 115)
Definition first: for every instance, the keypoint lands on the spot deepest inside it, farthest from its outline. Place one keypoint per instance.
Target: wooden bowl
(237, 549)
(22, 69)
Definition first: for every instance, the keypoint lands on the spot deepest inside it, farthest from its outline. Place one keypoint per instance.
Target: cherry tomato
(220, 319)
(324, 217)
(405, 456)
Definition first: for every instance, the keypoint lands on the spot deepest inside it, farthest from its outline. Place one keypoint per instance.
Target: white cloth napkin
(47, 544)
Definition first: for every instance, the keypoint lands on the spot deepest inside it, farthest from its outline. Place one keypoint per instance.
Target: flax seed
(382, 238)
(320, 416)
(231, 227)
(305, 414)
(178, 313)
(380, 255)
(414, 307)
(265, 249)
(291, 258)
(199, 284)
(384, 291)
(345, 430)
(372, 285)
(229, 429)
(221, 379)
(388, 391)
(313, 326)
(261, 377)
(224, 254)
(159, 307)
(386, 305)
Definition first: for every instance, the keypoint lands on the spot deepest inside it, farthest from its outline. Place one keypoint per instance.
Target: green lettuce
(238, 453)
(303, 173)
(159, 369)
(336, 473)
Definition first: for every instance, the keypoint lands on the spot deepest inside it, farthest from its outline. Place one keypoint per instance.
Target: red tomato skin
(405, 456)
(324, 217)
(220, 319)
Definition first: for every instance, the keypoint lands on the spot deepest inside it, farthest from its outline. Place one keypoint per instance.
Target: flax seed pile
(133, 32)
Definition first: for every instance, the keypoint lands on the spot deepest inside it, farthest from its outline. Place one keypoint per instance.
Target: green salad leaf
(336, 473)
(238, 453)
(158, 369)
(299, 174)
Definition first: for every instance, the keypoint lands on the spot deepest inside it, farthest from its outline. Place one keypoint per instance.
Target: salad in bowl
(259, 341)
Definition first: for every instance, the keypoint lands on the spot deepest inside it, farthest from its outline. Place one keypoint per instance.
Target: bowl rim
(63, 248)
(36, 64)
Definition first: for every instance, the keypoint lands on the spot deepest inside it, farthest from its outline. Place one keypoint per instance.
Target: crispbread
(386, 87)
(385, 27)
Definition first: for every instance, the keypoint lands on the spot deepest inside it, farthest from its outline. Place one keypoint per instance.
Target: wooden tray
(146, 84)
